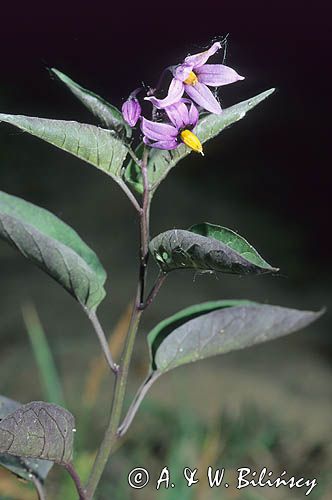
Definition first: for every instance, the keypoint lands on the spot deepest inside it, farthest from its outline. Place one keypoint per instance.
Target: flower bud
(131, 111)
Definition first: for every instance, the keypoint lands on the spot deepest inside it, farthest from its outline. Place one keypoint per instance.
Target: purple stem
(75, 477)
(154, 292)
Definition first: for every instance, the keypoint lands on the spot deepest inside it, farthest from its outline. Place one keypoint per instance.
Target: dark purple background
(110, 48)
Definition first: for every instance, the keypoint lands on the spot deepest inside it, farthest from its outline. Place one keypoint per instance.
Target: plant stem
(103, 341)
(111, 436)
(145, 225)
(39, 487)
(75, 477)
(133, 155)
(143, 389)
(154, 292)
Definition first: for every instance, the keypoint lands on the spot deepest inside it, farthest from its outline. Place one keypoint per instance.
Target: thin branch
(39, 487)
(156, 287)
(133, 155)
(75, 477)
(143, 389)
(103, 340)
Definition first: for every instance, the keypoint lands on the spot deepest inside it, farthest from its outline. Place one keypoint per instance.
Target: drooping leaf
(223, 330)
(108, 114)
(95, 145)
(54, 247)
(207, 247)
(22, 467)
(162, 161)
(38, 430)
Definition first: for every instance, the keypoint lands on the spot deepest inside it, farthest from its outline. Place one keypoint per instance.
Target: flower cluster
(180, 114)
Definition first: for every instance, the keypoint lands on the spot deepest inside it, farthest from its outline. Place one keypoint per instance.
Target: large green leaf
(222, 330)
(207, 247)
(38, 430)
(161, 162)
(22, 467)
(53, 246)
(106, 112)
(212, 328)
(95, 145)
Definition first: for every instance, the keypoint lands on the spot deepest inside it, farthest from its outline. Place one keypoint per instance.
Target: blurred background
(267, 177)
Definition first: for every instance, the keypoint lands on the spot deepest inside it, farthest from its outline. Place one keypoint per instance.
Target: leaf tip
(321, 312)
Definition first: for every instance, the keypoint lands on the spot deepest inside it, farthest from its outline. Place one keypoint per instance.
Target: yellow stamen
(191, 79)
(192, 141)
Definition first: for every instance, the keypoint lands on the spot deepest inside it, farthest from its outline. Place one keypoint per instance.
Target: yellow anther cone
(191, 140)
(191, 79)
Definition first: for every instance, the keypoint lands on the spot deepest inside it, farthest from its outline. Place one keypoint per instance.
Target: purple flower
(131, 110)
(170, 136)
(193, 76)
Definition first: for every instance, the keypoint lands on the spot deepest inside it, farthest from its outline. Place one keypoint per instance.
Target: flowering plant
(137, 148)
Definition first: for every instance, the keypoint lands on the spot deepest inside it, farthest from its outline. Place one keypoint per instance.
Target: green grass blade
(48, 374)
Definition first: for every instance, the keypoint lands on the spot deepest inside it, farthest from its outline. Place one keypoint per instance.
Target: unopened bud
(131, 111)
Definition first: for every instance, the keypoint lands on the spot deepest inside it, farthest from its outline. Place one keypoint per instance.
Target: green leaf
(38, 430)
(22, 467)
(54, 247)
(207, 247)
(108, 114)
(95, 145)
(165, 327)
(223, 330)
(233, 241)
(161, 162)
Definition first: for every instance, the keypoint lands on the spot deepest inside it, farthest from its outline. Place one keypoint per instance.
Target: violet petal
(158, 131)
(216, 75)
(198, 60)
(175, 93)
(182, 72)
(193, 115)
(203, 97)
(178, 114)
(169, 144)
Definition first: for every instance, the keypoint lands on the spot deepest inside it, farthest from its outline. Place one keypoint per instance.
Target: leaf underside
(54, 247)
(22, 467)
(38, 430)
(188, 249)
(165, 327)
(224, 330)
